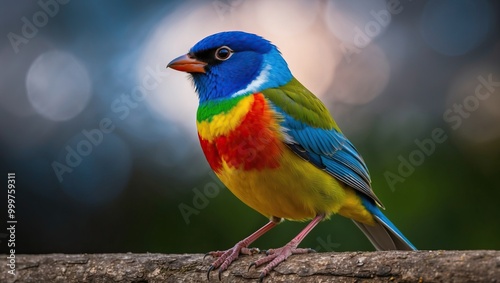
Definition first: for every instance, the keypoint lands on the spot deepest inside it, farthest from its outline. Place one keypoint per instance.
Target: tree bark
(395, 266)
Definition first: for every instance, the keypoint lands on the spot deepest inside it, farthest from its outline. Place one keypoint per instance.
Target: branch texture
(395, 266)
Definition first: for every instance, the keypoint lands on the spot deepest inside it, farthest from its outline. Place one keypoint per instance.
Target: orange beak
(187, 63)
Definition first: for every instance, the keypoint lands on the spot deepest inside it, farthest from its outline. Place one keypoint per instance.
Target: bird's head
(233, 63)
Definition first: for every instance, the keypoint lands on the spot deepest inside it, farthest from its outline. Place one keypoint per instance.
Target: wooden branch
(396, 266)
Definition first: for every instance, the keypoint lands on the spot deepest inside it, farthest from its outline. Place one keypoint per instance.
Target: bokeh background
(102, 136)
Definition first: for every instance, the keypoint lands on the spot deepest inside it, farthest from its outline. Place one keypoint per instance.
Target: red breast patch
(254, 144)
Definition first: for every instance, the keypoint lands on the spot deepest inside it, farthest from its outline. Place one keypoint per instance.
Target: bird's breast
(240, 133)
(243, 142)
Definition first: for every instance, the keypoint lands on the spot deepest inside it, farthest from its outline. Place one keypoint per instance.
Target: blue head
(233, 63)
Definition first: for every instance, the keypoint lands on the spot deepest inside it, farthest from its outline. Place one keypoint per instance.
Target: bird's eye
(223, 53)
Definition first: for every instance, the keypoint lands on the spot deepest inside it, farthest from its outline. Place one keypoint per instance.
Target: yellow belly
(245, 147)
(296, 190)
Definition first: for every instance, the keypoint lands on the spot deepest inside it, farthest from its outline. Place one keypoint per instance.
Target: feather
(317, 138)
(383, 235)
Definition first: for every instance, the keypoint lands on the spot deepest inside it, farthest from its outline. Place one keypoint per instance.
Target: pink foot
(225, 258)
(277, 256)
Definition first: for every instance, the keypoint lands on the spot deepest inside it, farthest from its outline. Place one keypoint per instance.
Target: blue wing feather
(329, 150)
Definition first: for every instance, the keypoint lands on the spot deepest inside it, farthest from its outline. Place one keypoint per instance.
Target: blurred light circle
(303, 56)
(363, 78)
(173, 97)
(357, 22)
(473, 106)
(58, 85)
(100, 167)
(303, 43)
(454, 27)
(284, 18)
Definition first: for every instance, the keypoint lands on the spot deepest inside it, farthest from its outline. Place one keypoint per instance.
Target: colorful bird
(276, 147)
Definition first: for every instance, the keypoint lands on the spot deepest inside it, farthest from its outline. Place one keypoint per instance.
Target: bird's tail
(383, 235)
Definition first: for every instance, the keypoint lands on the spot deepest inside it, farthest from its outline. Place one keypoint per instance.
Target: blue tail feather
(383, 235)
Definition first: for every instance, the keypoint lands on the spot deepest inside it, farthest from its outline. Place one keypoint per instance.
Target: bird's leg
(277, 256)
(225, 258)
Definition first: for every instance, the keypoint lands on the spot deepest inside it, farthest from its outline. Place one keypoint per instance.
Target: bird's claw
(276, 256)
(220, 274)
(225, 258)
(210, 268)
(250, 266)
